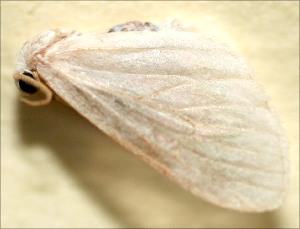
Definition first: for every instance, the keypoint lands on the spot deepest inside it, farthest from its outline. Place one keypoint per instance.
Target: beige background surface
(57, 170)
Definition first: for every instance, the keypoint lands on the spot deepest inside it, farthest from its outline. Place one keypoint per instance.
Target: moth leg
(172, 24)
(134, 26)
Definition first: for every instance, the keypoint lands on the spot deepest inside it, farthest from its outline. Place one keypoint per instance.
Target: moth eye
(25, 87)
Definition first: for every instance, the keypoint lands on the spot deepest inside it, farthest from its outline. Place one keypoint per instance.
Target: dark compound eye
(25, 87)
(28, 74)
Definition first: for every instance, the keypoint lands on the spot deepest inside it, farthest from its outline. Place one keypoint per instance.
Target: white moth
(185, 104)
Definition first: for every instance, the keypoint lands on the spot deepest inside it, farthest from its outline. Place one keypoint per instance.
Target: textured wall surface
(57, 170)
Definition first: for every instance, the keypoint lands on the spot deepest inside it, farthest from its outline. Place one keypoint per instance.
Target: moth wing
(187, 106)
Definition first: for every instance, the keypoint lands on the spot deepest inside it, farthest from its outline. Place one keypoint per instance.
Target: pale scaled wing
(186, 105)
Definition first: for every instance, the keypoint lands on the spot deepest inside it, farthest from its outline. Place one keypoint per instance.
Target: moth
(185, 104)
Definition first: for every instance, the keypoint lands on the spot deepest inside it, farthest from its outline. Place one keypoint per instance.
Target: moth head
(29, 83)
(26, 76)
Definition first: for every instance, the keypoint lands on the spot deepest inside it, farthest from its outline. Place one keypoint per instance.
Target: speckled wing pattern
(185, 104)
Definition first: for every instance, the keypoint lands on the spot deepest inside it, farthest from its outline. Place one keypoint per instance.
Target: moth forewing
(183, 103)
